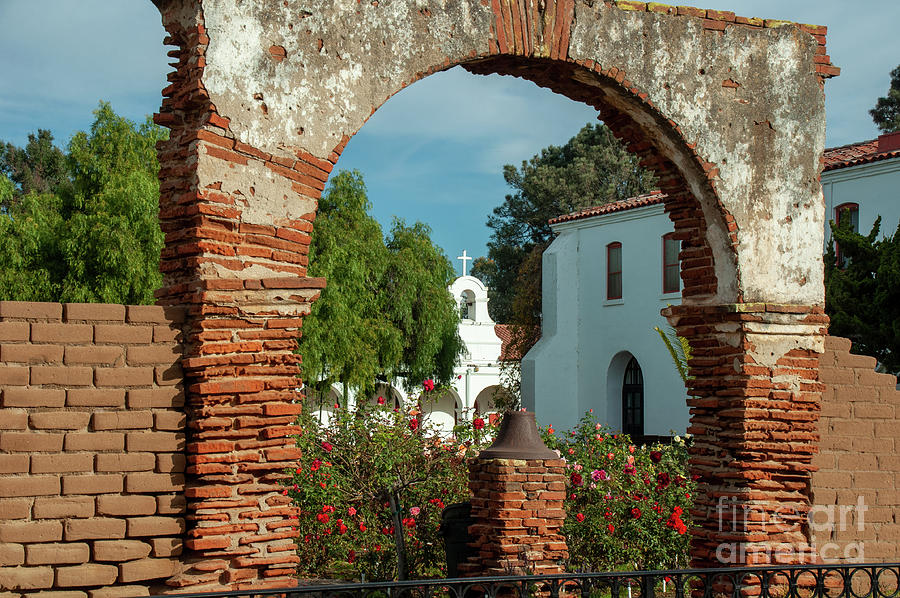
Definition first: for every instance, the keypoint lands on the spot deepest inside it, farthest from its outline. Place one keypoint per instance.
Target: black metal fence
(789, 581)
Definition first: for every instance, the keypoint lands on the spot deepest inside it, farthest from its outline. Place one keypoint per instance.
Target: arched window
(633, 400)
(671, 273)
(846, 214)
(614, 271)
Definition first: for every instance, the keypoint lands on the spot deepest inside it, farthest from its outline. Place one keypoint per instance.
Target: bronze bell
(518, 438)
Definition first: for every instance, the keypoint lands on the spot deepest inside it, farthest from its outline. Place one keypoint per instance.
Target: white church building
(476, 379)
(606, 276)
(610, 271)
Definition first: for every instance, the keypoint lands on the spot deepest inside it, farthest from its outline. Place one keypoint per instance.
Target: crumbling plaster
(747, 99)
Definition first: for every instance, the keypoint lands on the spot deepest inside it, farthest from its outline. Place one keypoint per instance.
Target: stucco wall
(579, 362)
(875, 187)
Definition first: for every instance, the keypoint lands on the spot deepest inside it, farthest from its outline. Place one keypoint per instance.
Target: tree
(862, 294)
(40, 167)
(346, 339)
(88, 231)
(419, 305)
(886, 112)
(591, 169)
(386, 311)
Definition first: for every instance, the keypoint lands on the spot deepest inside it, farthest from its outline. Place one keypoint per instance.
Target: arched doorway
(258, 122)
(633, 400)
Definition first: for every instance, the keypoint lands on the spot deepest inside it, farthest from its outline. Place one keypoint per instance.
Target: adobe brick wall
(92, 435)
(856, 460)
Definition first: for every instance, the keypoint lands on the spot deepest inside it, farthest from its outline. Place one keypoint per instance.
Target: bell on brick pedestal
(518, 438)
(518, 488)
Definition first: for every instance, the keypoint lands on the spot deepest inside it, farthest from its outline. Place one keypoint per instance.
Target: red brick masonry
(518, 510)
(92, 455)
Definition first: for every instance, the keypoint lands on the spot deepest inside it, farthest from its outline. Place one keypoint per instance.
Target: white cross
(464, 257)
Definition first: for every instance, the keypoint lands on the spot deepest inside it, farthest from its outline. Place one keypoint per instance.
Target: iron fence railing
(788, 581)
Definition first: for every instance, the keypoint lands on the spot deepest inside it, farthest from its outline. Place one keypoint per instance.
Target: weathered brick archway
(729, 111)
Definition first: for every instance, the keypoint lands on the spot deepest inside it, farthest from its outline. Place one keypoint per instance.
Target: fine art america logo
(823, 521)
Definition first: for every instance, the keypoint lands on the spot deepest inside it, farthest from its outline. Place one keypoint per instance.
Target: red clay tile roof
(507, 352)
(863, 152)
(844, 156)
(647, 199)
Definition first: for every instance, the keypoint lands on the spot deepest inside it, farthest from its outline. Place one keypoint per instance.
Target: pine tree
(886, 112)
(862, 294)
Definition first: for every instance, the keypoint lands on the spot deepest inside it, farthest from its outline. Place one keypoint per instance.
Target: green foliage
(40, 167)
(626, 506)
(862, 295)
(31, 261)
(371, 486)
(591, 169)
(346, 338)
(386, 311)
(360, 465)
(679, 349)
(886, 112)
(418, 304)
(88, 231)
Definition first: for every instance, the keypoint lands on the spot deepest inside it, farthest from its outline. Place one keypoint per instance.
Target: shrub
(626, 506)
(373, 481)
(371, 485)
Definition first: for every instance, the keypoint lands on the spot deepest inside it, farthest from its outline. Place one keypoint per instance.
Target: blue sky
(435, 151)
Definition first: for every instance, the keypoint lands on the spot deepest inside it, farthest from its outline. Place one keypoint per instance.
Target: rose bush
(626, 506)
(371, 485)
(373, 481)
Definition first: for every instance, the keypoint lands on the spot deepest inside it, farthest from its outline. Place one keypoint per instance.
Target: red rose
(381, 400)
(579, 517)
(315, 465)
(413, 424)
(478, 423)
(663, 480)
(655, 456)
(611, 528)
(326, 446)
(576, 479)
(428, 384)
(323, 517)
(636, 513)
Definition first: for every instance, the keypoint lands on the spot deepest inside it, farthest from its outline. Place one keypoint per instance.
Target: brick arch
(694, 208)
(264, 98)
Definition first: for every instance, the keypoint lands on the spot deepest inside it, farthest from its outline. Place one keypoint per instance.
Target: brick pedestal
(518, 510)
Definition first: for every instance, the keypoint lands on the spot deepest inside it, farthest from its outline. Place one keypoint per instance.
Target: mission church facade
(611, 269)
(476, 378)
